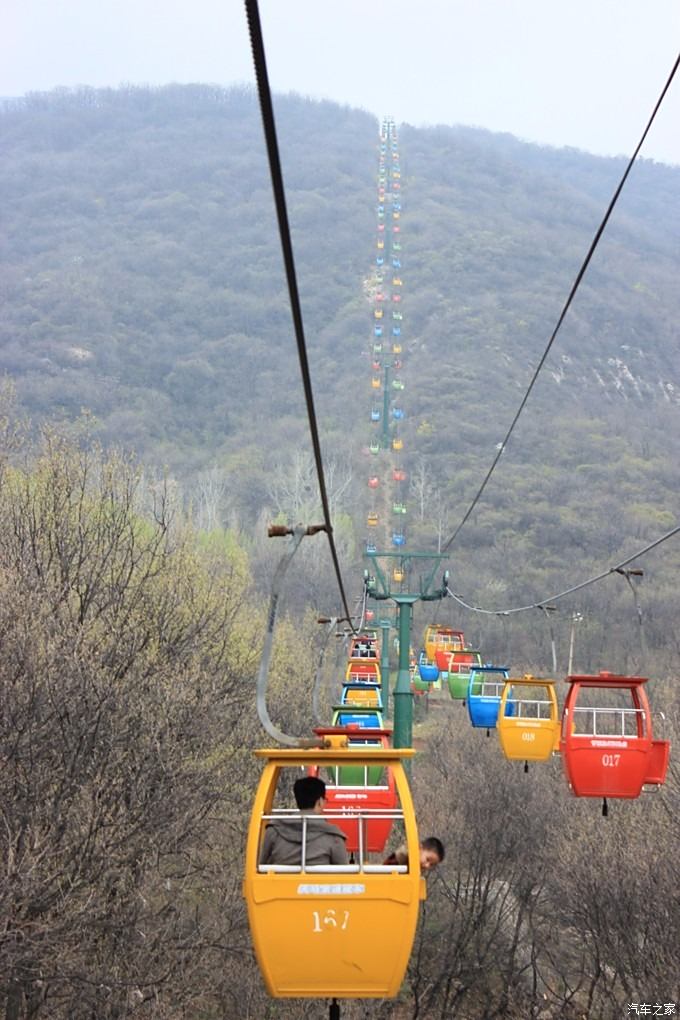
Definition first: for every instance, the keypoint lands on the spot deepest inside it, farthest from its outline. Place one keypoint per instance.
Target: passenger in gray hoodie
(325, 843)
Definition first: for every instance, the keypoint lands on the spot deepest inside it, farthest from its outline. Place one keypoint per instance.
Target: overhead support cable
(269, 124)
(544, 603)
(565, 309)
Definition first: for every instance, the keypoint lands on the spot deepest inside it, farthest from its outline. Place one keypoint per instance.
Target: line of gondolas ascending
(387, 478)
(342, 927)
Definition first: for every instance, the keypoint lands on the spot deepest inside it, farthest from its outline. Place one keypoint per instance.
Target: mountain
(142, 279)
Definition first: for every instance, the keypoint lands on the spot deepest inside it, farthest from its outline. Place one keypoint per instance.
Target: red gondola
(606, 741)
(374, 792)
(363, 646)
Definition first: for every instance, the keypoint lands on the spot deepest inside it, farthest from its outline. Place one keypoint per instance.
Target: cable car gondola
(532, 731)
(361, 695)
(325, 931)
(362, 671)
(363, 646)
(439, 638)
(427, 669)
(485, 688)
(368, 787)
(607, 743)
(458, 666)
(361, 716)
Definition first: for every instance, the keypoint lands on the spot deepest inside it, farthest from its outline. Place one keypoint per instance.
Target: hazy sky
(584, 73)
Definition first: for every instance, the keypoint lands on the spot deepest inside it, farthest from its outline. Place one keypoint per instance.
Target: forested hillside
(142, 283)
(142, 280)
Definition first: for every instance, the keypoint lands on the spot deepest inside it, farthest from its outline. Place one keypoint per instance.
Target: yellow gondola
(332, 931)
(365, 671)
(532, 731)
(438, 638)
(397, 444)
(361, 694)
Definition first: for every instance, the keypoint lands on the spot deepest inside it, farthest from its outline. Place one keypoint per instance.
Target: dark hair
(307, 791)
(432, 843)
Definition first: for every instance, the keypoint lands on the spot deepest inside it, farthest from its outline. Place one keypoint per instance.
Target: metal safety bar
(351, 813)
(497, 689)
(355, 786)
(519, 704)
(624, 714)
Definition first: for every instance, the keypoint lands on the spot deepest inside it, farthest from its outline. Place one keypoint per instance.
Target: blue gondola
(428, 670)
(485, 688)
(398, 538)
(375, 414)
(366, 718)
(397, 413)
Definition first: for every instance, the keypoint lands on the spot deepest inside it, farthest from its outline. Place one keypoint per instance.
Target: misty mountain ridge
(142, 274)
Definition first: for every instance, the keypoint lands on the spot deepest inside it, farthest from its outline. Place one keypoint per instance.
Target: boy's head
(431, 853)
(309, 791)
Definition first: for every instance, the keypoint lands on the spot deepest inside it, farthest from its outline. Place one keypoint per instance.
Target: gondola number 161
(329, 920)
